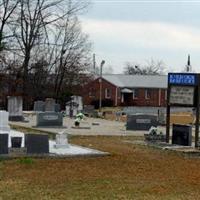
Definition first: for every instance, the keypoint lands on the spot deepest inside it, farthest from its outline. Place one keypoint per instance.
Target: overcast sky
(136, 31)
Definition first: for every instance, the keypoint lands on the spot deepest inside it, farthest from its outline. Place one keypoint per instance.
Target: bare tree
(70, 53)
(151, 67)
(7, 8)
(33, 25)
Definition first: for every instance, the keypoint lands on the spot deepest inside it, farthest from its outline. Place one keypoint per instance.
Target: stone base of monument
(74, 151)
(16, 118)
(62, 146)
(49, 120)
(155, 138)
(95, 123)
(81, 127)
(17, 151)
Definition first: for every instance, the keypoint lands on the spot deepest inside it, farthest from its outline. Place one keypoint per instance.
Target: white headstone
(4, 127)
(67, 110)
(79, 101)
(61, 140)
(15, 106)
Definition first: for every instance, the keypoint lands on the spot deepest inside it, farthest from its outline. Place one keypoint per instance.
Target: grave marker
(141, 122)
(15, 108)
(3, 143)
(37, 144)
(49, 119)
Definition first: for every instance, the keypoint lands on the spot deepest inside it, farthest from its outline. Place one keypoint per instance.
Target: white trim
(106, 93)
(146, 94)
(122, 99)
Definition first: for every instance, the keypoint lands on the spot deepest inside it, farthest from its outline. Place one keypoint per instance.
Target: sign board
(182, 79)
(184, 91)
(182, 95)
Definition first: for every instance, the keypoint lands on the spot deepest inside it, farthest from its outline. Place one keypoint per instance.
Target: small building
(127, 90)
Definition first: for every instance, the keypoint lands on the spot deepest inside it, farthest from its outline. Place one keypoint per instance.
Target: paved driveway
(105, 127)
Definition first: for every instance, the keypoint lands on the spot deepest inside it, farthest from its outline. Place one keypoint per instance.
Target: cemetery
(15, 144)
(96, 102)
(47, 152)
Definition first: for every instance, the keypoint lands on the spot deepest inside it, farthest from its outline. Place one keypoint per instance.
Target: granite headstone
(141, 122)
(3, 143)
(182, 134)
(49, 105)
(37, 144)
(49, 119)
(57, 107)
(39, 106)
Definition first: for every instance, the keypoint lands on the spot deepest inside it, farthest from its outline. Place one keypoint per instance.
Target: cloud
(154, 35)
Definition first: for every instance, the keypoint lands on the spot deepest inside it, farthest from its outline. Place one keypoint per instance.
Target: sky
(137, 31)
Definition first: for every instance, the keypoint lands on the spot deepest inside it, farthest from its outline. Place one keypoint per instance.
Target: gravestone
(4, 121)
(49, 105)
(49, 119)
(71, 108)
(67, 110)
(39, 106)
(57, 107)
(3, 143)
(182, 134)
(141, 122)
(161, 116)
(78, 100)
(61, 141)
(37, 144)
(15, 108)
(89, 111)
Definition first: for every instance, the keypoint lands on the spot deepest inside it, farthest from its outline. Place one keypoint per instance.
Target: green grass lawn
(131, 172)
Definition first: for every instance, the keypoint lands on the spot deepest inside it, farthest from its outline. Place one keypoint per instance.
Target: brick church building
(127, 90)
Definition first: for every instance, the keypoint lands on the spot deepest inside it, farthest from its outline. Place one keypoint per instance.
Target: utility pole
(94, 63)
(188, 66)
(100, 85)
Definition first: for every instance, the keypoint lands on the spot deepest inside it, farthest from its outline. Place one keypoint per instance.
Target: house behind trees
(127, 90)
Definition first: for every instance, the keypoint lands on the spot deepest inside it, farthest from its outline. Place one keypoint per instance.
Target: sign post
(183, 91)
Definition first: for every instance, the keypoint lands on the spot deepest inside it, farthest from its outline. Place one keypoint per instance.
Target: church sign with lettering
(183, 91)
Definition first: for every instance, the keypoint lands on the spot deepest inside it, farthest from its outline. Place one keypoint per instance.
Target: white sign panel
(182, 95)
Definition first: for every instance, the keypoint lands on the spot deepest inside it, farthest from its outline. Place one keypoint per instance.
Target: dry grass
(131, 172)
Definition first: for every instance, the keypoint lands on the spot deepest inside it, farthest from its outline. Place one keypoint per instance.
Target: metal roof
(137, 81)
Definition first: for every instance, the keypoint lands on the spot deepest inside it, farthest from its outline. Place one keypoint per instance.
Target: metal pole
(168, 116)
(100, 91)
(197, 117)
(100, 85)
(94, 63)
